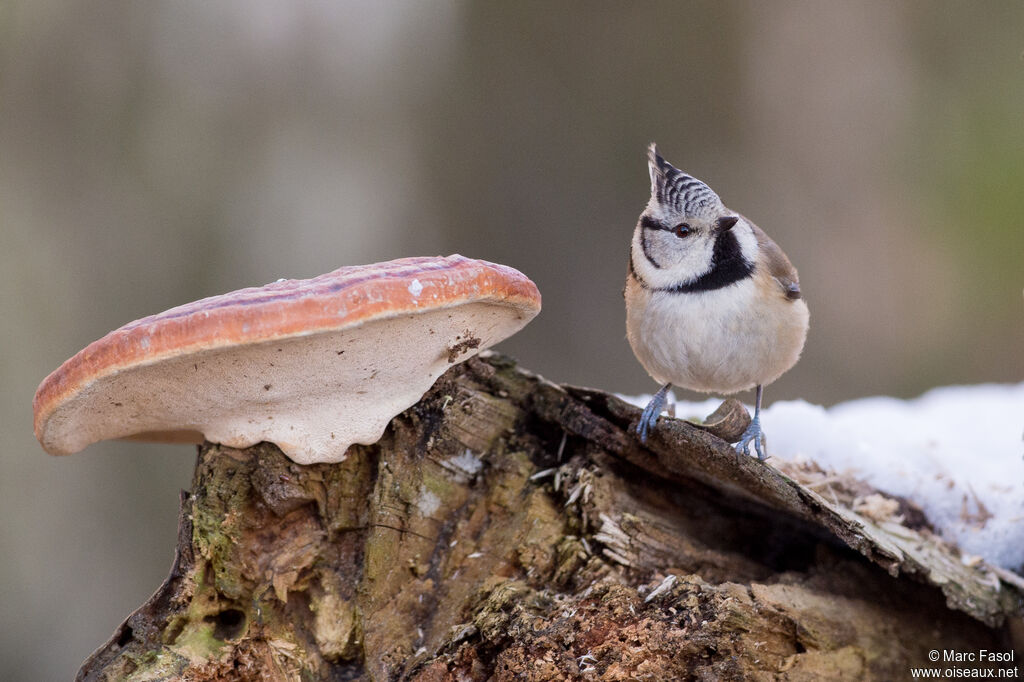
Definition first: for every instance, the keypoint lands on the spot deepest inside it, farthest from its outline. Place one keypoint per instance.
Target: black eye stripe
(651, 224)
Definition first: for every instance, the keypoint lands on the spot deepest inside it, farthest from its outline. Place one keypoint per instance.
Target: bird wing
(779, 267)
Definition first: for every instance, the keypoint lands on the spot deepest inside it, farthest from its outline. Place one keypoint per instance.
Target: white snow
(465, 463)
(428, 502)
(956, 451)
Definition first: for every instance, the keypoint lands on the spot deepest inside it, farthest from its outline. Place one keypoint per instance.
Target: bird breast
(720, 341)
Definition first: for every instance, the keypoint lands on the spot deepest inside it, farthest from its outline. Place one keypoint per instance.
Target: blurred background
(155, 153)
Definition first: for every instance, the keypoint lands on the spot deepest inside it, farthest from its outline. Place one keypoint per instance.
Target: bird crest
(674, 189)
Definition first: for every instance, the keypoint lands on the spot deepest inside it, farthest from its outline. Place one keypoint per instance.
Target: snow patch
(955, 451)
(466, 462)
(428, 502)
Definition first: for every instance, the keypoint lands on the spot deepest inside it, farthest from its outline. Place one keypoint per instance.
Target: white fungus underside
(312, 395)
(955, 451)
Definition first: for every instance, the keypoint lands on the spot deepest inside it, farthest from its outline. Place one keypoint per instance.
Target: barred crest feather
(673, 188)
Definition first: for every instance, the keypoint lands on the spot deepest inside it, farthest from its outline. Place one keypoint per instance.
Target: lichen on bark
(509, 528)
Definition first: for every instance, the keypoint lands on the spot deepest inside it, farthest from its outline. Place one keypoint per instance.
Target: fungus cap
(311, 365)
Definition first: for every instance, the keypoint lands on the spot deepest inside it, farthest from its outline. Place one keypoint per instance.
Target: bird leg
(651, 412)
(754, 432)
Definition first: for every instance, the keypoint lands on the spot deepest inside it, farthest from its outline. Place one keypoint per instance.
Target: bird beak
(725, 224)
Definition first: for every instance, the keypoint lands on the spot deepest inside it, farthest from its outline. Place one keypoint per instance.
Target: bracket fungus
(310, 365)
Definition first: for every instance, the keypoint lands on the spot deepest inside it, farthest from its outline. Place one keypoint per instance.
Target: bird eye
(681, 230)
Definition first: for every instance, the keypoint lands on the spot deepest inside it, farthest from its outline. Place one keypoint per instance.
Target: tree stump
(509, 528)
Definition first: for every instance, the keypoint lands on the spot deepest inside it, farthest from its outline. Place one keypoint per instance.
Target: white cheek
(679, 262)
(694, 260)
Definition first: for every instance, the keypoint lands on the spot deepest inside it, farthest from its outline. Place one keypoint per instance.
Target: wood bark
(509, 528)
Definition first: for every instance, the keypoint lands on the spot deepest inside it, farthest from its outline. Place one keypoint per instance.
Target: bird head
(680, 232)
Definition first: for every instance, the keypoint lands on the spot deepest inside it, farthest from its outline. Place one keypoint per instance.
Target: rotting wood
(509, 528)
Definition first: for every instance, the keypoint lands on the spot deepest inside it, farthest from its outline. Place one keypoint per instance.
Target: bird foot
(755, 434)
(651, 413)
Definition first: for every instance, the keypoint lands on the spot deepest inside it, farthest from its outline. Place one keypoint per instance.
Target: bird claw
(650, 415)
(756, 434)
(647, 420)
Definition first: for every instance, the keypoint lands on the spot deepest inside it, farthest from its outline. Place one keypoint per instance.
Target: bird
(713, 305)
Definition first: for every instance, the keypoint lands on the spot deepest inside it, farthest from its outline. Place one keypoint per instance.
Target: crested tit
(712, 303)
